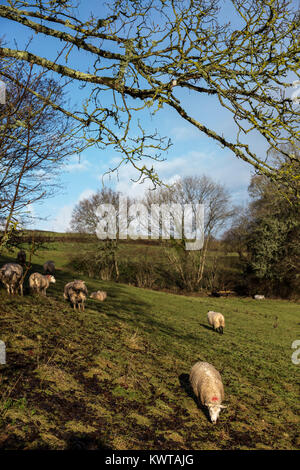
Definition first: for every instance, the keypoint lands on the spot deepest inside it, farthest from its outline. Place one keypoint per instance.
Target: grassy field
(116, 375)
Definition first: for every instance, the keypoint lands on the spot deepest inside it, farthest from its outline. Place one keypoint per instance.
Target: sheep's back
(215, 317)
(99, 295)
(9, 269)
(37, 280)
(49, 267)
(204, 375)
(74, 288)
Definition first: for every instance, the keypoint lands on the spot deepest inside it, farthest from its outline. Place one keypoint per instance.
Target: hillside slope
(116, 375)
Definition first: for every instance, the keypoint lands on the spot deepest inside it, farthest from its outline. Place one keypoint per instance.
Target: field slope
(116, 375)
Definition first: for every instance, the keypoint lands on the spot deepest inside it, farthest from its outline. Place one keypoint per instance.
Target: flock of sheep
(12, 276)
(205, 380)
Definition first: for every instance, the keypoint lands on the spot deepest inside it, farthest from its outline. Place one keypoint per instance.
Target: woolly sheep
(40, 282)
(76, 292)
(21, 257)
(207, 385)
(99, 295)
(216, 320)
(259, 297)
(11, 275)
(49, 267)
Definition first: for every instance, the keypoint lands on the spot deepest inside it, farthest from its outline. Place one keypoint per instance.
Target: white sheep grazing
(11, 275)
(49, 267)
(207, 385)
(99, 295)
(40, 282)
(216, 320)
(76, 292)
(259, 297)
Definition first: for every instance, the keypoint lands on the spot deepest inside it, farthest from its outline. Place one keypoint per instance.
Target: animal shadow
(210, 328)
(184, 381)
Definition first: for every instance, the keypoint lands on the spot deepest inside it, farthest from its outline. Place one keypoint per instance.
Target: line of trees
(266, 236)
(193, 190)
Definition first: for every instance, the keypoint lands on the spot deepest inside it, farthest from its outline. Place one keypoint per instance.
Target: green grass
(116, 375)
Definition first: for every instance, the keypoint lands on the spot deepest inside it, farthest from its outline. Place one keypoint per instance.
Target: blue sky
(192, 153)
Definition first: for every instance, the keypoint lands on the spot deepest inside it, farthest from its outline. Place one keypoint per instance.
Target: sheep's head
(51, 278)
(214, 411)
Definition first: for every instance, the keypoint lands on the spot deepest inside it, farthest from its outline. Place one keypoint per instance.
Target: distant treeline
(41, 236)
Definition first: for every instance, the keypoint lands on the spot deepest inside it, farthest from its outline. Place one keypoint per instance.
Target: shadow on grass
(184, 381)
(207, 327)
(210, 328)
(85, 442)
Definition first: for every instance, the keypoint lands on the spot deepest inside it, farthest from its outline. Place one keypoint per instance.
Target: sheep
(99, 295)
(76, 292)
(216, 320)
(207, 385)
(40, 282)
(11, 275)
(21, 257)
(49, 267)
(259, 297)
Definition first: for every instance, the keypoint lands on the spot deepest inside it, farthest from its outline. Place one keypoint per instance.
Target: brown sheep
(49, 267)
(21, 257)
(76, 292)
(11, 275)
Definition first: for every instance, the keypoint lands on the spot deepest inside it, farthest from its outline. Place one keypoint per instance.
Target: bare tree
(143, 53)
(84, 216)
(34, 140)
(218, 211)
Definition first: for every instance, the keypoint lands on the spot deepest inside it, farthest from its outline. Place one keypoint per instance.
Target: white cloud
(184, 133)
(222, 167)
(77, 164)
(87, 193)
(61, 222)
